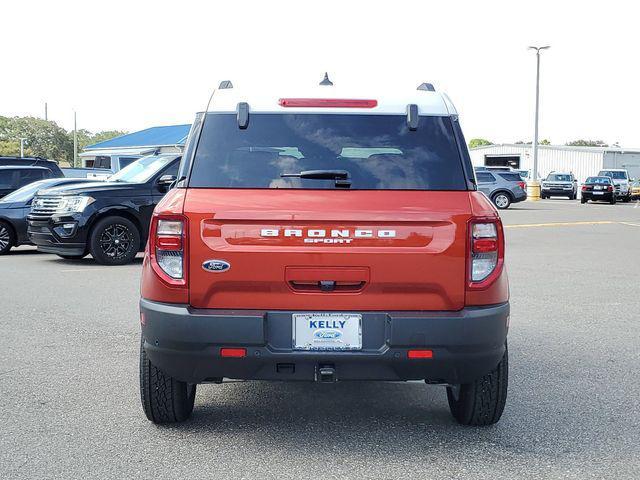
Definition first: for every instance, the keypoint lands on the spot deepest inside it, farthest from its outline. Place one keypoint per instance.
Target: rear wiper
(340, 176)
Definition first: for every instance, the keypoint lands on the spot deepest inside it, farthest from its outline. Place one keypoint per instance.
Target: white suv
(621, 182)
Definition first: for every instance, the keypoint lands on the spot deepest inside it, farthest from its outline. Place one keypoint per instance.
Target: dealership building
(582, 161)
(128, 148)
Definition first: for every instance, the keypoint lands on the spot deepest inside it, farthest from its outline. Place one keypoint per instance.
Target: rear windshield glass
(599, 180)
(376, 152)
(511, 177)
(558, 177)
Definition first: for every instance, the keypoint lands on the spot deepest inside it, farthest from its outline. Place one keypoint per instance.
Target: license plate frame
(326, 332)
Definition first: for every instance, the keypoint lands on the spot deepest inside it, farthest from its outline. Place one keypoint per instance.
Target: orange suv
(328, 236)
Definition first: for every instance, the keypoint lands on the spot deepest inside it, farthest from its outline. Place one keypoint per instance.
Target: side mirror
(166, 181)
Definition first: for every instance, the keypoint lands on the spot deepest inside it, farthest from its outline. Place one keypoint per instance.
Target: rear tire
(114, 241)
(501, 200)
(164, 399)
(482, 401)
(613, 200)
(7, 238)
(583, 200)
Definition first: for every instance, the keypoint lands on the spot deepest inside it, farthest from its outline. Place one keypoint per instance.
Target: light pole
(22, 139)
(535, 185)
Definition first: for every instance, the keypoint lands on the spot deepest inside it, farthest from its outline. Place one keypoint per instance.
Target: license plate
(327, 331)
(597, 188)
(598, 193)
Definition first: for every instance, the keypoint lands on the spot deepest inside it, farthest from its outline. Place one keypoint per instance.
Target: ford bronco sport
(327, 236)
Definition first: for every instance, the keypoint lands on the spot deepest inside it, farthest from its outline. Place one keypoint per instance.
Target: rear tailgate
(328, 249)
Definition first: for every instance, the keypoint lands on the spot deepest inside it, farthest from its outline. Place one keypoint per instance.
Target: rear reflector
(484, 245)
(169, 243)
(233, 352)
(416, 354)
(327, 103)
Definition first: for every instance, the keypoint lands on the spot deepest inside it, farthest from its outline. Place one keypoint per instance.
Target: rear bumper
(185, 343)
(519, 197)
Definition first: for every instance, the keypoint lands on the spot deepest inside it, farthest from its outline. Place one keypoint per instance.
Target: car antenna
(325, 81)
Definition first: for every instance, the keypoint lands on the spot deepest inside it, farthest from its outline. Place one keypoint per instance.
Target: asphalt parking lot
(69, 405)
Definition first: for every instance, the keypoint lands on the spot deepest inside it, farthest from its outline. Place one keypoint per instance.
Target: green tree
(478, 142)
(43, 138)
(544, 141)
(587, 143)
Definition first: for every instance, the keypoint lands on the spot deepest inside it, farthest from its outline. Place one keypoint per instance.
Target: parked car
(635, 190)
(9, 161)
(286, 253)
(14, 209)
(598, 188)
(621, 182)
(14, 177)
(559, 184)
(109, 219)
(503, 188)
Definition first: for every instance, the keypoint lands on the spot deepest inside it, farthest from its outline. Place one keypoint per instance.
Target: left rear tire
(164, 399)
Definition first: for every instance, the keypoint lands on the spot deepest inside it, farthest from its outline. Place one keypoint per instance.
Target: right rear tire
(164, 399)
(482, 401)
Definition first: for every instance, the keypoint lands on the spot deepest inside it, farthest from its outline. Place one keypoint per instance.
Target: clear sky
(134, 64)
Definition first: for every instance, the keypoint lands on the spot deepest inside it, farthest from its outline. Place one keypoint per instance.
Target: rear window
(599, 180)
(377, 151)
(511, 177)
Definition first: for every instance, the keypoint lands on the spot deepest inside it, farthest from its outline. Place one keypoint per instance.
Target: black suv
(14, 177)
(108, 219)
(32, 162)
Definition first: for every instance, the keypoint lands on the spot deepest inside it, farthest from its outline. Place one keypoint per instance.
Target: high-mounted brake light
(167, 245)
(486, 251)
(327, 103)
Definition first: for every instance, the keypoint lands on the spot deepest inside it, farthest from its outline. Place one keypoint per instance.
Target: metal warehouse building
(582, 161)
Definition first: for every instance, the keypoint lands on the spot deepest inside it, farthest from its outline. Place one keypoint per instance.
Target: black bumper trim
(185, 343)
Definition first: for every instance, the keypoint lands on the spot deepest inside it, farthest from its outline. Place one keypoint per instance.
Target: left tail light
(523, 185)
(486, 252)
(168, 248)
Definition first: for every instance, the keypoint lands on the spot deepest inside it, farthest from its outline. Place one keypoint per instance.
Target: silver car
(503, 188)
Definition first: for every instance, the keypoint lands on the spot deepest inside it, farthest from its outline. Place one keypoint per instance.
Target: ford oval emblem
(216, 266)
(328, 334)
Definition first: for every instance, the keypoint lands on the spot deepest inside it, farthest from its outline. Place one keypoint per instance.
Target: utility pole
(535, 185)
(75, 140)
(46, 116)
(22, 139)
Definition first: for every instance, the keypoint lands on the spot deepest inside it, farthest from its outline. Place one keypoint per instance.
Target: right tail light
(486, 252)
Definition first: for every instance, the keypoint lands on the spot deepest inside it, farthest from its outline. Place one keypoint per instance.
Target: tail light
(584, 188)
(523, 185)
(486, 252)
(167, 248)
(609, 188)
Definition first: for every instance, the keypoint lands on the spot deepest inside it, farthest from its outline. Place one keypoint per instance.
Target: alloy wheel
(115, 240)
(5, 238)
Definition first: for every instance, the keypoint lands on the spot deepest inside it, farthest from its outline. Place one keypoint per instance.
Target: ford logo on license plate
(216, 266)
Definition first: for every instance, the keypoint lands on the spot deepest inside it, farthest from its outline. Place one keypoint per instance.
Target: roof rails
(428, 87)
(225, 84)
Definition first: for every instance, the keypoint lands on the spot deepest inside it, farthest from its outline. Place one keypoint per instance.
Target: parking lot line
(560, 224)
